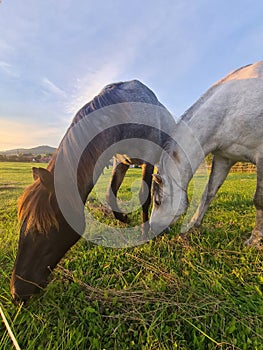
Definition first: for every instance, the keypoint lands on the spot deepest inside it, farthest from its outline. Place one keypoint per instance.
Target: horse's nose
(16, 299)
(161, 225)
(158, 228)
(18, 291)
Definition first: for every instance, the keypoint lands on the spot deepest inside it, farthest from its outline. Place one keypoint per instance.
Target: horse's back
(234, 100)
(229, 115)
(128, 91)
(238, 101)
(133, 92)
(250, 71)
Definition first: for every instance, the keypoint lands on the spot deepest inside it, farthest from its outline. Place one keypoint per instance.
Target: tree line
(29, 157)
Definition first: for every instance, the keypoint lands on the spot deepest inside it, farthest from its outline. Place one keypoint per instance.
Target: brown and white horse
(51, 211)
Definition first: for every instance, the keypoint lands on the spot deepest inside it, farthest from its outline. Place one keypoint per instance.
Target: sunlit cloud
(88, 86)
(52, 88)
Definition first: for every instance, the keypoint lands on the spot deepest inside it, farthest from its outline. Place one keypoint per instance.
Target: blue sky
(56, 55)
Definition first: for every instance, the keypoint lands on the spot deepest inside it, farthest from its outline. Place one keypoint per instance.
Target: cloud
(115, 69)
(9, 69)
(87, 87)
(52, 88)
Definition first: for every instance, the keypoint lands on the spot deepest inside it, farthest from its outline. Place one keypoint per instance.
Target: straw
(9, 330)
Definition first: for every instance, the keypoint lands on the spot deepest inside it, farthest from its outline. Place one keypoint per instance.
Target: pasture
(203, 292)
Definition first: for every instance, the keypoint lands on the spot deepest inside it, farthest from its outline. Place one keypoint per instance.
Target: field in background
(201, 293)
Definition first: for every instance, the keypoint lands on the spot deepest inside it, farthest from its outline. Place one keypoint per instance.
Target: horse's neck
(187, 152)
(88, 173)
(77, 168)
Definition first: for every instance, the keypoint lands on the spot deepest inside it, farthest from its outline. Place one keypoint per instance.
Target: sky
(56, 55)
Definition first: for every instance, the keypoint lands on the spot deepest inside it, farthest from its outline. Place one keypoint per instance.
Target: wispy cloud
(9, 69)
(90, 85)
(52, 88)
(87, 86)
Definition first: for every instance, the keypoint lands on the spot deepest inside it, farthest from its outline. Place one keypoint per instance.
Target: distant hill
(35, 150)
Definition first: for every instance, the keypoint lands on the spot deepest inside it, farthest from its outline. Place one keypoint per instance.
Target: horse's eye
(157, 202)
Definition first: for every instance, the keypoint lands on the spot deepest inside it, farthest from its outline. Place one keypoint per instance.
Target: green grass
(203, 293)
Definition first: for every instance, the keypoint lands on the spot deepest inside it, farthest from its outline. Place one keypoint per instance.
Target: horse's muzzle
(21, 290)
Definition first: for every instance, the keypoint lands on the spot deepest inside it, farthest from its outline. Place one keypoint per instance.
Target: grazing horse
(226, 121)
(122, 112)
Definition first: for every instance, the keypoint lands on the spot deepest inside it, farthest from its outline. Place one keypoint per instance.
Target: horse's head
(45, 237)
(169, 203)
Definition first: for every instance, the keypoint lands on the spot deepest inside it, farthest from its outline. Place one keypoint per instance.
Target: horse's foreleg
(118, 174)
(219, 171)
(257, 233)
(145, 195)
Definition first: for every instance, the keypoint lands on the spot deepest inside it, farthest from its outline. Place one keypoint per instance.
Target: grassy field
(203, 293)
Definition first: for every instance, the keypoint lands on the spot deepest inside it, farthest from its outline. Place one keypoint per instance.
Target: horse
(226, 121)
(124, 118)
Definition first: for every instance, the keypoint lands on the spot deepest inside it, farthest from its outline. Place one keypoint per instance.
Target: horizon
(27, 148)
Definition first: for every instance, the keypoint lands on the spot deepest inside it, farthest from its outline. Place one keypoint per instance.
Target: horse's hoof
(250, 243)
(255, 239)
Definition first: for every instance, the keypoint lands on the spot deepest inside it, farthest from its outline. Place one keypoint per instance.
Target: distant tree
(20, 157)
(3, 158)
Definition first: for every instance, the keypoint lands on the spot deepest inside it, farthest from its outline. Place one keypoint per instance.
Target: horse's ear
(45, 177)
(158, 179)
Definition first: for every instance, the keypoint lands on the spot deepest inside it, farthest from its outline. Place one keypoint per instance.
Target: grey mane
(129, 91)
(115, 93)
